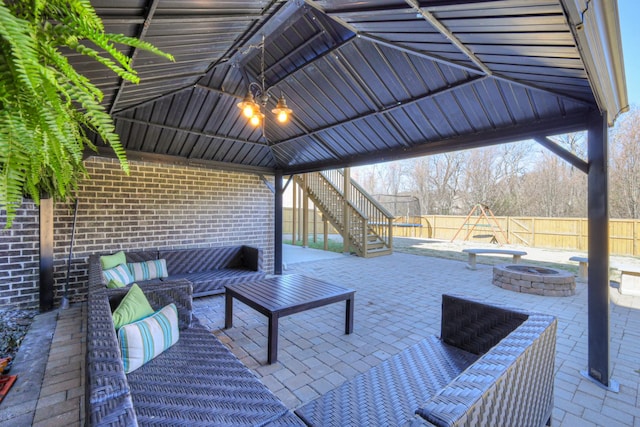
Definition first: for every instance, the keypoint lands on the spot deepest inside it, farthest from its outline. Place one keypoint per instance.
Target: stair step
(378, 252)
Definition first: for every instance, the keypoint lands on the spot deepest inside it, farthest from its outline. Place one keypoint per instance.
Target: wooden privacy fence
(557, 233)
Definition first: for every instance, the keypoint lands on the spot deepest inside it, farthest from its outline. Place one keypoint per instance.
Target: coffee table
(280, 296)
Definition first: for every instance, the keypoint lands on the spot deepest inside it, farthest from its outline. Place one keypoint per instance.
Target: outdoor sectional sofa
(491, 366)
(208, 269)
(196, 382)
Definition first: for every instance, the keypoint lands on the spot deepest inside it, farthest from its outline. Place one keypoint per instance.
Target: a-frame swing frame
(485, 212)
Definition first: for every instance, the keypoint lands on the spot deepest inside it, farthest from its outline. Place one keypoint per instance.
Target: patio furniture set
(489, 366)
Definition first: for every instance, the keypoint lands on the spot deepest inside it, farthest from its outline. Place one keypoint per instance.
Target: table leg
(348, 323)
(272, 352)
(228, 310)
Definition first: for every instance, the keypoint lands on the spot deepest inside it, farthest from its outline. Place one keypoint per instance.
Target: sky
(629, 10)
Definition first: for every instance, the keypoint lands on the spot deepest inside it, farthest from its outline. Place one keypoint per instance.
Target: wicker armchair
(492, 366)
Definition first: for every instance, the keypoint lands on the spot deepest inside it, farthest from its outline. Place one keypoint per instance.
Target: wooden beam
(46, 253)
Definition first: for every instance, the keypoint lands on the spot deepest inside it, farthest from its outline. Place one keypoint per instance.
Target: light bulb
(255, 120)
(283, 116)
(247, 111)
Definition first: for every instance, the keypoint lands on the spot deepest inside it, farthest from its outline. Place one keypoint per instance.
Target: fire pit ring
(534, 280)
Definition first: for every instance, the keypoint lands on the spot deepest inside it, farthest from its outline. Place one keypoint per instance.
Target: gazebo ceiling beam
(141, 35)
(563, 153)
(570, 123)
(191, 131)
(169, 159)
(317, 58)
(126, 20)
(431, 19)
(436, 58)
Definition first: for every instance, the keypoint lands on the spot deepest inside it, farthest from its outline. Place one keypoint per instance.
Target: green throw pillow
(134, 306)
(115, 284)
(110, 261)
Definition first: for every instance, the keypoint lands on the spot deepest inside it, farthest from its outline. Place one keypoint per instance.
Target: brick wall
(19, 258)
(156, 206)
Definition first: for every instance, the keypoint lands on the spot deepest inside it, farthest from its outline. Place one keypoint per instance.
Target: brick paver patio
(397, 304)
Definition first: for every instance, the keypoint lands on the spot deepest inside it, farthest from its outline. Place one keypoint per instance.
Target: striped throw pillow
(145, 339)
(148, 270)
(120, 273)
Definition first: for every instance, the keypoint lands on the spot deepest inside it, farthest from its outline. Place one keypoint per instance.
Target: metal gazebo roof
(367, 81)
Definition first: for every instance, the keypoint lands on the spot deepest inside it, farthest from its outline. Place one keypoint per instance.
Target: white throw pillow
(145, 339)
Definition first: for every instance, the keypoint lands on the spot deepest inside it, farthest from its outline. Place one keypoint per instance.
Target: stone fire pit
(534, 280)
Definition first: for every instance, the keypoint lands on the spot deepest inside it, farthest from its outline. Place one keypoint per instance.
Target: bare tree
(419, 183)
(445, 180)
(624, 194)
(493, 177)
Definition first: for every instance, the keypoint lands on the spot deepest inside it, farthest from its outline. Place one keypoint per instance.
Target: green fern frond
(46, 106)
(140, 44)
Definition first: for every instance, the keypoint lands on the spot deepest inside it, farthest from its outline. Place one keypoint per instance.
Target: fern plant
(47, 108)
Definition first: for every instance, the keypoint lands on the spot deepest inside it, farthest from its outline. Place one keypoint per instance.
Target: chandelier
(258, 91)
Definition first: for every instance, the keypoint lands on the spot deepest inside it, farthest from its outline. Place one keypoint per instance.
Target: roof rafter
(431, 19)
(151, 10)
(191, 131)
(317, 58)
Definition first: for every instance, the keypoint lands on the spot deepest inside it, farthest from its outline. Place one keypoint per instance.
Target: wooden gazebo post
(277, 228)
(346, 195)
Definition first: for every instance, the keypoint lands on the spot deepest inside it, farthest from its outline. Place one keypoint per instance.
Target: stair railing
(379, 219)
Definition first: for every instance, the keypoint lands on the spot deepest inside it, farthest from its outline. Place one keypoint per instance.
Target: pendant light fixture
(259, 92)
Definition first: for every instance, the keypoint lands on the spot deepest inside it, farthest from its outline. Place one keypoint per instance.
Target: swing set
(482, 213)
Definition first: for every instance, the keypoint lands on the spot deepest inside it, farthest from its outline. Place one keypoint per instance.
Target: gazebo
(372, 81)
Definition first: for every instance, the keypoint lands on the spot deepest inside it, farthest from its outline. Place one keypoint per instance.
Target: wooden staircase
(368, 224)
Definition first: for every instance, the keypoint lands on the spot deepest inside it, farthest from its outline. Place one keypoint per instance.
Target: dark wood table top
(290, 293)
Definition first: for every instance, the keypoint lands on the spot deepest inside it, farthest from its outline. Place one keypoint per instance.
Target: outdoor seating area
(198, 380)
(314, 359)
